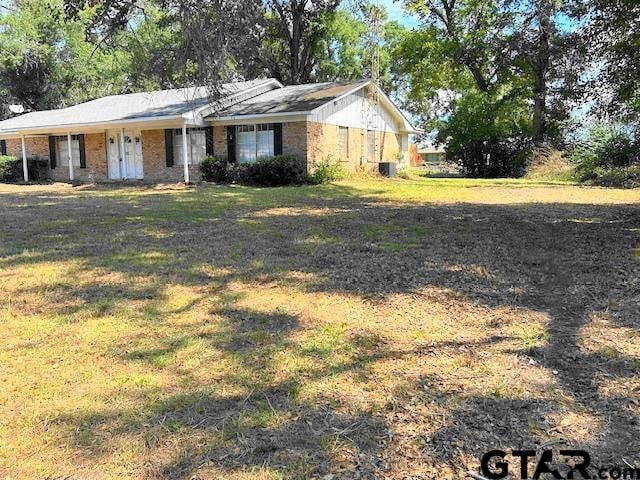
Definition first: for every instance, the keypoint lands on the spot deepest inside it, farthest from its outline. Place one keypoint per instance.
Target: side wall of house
(314, 142)
(294, 140)
(322, 139)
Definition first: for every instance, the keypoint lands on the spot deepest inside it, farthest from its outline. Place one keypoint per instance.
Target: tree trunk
(544, 11)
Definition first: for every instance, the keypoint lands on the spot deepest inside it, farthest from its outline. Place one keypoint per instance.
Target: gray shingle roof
(294, 98)
(158, 104)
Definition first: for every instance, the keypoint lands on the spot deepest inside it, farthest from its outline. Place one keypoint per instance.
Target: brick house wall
(322, 141)
(154, 158)
(36, 147)
(220, 141)
(295, 139)
(314, 142)
(95, 147)
(310, 141)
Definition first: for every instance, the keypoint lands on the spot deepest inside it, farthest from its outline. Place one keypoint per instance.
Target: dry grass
(550, 164)
(369, 329)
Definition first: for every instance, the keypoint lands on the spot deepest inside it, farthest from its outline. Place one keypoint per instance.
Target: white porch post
(25, 169)
(70, 151)
(123, 158)
(185, 152)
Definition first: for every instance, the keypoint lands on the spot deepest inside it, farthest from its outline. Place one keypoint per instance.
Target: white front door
(131, 165)
(133, 154)
(113, 155)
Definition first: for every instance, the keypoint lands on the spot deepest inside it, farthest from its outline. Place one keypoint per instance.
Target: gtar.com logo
(532, 464)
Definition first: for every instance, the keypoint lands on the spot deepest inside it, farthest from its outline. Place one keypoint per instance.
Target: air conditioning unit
(387, 169)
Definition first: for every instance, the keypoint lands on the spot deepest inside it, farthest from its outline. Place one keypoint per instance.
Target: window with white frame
(63, 150)
(196, 143)
(254, 142)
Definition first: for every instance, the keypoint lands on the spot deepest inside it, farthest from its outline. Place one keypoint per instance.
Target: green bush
(213, 169)
(622, 177)
(488, 134)
(327, 171)
(219, 170)
(11, 169)
(274, 171)
(403, 172)
(604, 147)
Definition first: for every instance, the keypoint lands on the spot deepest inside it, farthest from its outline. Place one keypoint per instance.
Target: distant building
(430, 153)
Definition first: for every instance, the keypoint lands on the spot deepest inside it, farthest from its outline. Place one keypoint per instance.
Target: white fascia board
(340, 97)
(407, 126)
(74, 128)
(261, 118)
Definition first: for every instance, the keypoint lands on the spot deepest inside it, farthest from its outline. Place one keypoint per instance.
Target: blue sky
(397, 12)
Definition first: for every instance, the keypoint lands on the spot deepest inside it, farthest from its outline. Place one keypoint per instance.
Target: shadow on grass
(566, 261)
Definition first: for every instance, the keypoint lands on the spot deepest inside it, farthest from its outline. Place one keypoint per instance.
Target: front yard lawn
(368, 329)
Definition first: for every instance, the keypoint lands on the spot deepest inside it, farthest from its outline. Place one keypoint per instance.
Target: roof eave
(79, 127)
(256, 116)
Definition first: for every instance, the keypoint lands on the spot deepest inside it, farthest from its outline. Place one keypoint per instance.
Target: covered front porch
(166, 152)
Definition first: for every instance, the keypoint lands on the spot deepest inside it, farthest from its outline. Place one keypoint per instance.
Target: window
(343, 142)
(63, 150)
(254, 142)
(371, 145)
(196, 143)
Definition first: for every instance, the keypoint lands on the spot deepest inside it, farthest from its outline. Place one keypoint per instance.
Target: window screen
(196, 143)
(254, 142)
(63, 150)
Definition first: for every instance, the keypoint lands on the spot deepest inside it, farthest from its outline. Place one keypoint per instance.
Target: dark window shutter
(168, 145)
(209, 134)
(277, 139)
(231, 144)
(83, 153)
(53, 156)
(3, 147)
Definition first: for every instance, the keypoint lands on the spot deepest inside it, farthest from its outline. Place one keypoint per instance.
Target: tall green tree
(295, 30)
(614, 33)
(46, 62)
(346, 53)
(519, 53)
